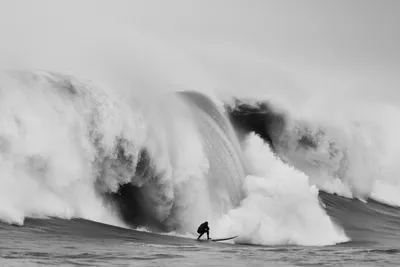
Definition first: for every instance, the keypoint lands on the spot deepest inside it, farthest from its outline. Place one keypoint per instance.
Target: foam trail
(280, 207)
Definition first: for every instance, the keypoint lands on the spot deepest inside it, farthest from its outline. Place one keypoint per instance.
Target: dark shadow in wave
(258, 117)
(137, 205)
(263, 119)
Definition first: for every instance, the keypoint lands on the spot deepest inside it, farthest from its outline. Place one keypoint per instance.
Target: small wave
(383, 251)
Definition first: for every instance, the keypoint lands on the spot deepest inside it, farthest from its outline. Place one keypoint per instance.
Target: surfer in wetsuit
(203, 228)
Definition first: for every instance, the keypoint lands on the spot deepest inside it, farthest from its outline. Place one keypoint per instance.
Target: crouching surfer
(203, 228)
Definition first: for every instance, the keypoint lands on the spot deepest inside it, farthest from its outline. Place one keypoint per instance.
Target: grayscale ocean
(124, 125)
(77, 242)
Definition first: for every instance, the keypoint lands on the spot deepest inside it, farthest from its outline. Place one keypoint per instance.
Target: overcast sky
(295, 47)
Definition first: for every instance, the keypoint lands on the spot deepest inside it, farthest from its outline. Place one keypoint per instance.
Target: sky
(291, 48)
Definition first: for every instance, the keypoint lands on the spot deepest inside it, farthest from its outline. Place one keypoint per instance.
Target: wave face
(72, 149)
(206, 170)
(366, 223)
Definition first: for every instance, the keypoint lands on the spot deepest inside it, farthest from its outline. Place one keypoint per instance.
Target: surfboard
(224, 239)
(219, 239)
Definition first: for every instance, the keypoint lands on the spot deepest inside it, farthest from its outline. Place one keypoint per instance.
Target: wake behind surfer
(203, 228)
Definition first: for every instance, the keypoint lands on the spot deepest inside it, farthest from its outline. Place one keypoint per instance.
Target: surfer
(203, 228)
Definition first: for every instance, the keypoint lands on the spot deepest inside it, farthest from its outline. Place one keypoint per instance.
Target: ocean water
(77, 242)
(125, 126)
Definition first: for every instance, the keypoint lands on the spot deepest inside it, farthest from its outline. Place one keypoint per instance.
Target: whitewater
(123, 129)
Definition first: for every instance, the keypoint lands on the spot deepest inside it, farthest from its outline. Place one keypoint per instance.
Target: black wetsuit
(203, 228)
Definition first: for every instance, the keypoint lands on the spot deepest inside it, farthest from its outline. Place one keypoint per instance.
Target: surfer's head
(206, 223)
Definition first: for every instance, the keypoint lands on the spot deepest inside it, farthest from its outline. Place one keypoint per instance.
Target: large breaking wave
(72, 149)
(354, 158)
